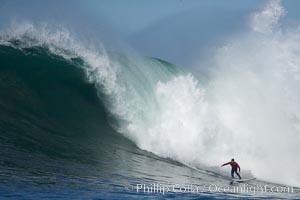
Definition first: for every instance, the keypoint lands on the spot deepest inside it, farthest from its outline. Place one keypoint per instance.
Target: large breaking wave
(248, 108)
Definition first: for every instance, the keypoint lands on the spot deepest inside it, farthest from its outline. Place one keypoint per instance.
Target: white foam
(267, 19)
(249, 110)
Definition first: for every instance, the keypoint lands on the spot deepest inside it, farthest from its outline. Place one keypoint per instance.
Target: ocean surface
(79, 121)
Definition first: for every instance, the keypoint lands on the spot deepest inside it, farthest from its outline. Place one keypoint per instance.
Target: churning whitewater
(248, 107)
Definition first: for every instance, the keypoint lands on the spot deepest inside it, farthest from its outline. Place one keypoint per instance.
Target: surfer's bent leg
(238, 174)
(232, 173)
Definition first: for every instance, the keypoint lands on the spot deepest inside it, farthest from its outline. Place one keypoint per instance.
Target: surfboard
(243, 180)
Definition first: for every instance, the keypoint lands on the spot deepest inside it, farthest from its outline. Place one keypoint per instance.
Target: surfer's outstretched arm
(225, 164)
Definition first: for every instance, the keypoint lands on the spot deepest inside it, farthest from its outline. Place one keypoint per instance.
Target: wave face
(41, 98)
(68, 99)
(59, 118)
(50, 93)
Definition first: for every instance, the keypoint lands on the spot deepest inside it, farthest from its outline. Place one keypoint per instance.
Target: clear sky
(130, 16)
(174, 30)
(179, 30)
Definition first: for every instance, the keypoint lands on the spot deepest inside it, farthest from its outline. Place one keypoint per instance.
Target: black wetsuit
(235, 170)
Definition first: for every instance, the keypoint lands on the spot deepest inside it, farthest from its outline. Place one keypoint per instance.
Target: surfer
(234, 167)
